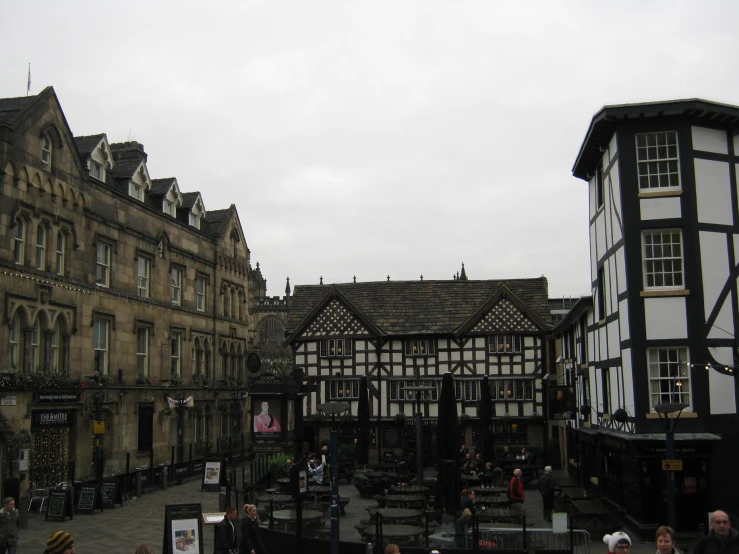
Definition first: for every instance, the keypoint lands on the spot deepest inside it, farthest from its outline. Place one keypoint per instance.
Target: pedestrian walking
(251, 542)
(60, 542)
(618, 543)
(10, 525)
(721, 539)
(226, 533)
(546, 487)
(665, 539)
(515, 487)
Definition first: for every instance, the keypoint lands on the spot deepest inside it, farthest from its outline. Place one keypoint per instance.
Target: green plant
(204, 444)
(463, 419)
(400, 418)
(278, 462)
(142, 379)
(167, 412)
(22, 439)
(199, 380)
(176, 380)
(347, 450)
(101, 379)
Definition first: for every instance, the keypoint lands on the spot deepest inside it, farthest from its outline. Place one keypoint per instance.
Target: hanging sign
(98, 427)
(672, 465)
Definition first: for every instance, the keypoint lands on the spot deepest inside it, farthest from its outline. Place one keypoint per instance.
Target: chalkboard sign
(391, 438)
(108, 494)
(58, 505)
(87, 499)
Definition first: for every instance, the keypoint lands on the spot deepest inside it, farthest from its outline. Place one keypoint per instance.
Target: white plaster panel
(614, 340)
(736, 243)
(468, 354)
(361, 357)
(385, 357)
(623, 320)
(612, 285)
(722, 327)
(665, 318)
(600, 234)
(660, 208)
(312, 359)
(455, 355)
(443, 356)
(613, 146)
(538, 397)
(506, 370)
(434, 409)
(713, 192)
(528, 408)
(628, 378)
(736, 144)
(710, 140)
(715, 266)
(602, 339)
(720, 386)
(592, 337)
(397, 357)
(480, 368)
(499, 409)
(443, 343)
(480, 342)
(617, 211)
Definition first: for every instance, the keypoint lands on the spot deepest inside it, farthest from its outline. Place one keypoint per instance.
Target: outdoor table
(277, 499)
(572, 493)
(564, 482)
(389, 465)
(408, 489)
(319, 489)
(291, 516)
(396, 531)
(283, 480)
(395, 514)
(380, 474)
(490, 491)
(589, 508)
(498, 514)
(404, 500)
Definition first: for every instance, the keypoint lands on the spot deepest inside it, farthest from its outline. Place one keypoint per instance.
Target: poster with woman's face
(266, 413)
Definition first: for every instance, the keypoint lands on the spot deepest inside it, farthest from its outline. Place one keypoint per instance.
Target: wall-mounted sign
(253, 362)
(52, 418)
(56, 397)
(8, 400)
(98, 427)
(561, 403)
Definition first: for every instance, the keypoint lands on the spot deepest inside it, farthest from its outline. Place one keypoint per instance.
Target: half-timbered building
(404, 333)
(664, 222)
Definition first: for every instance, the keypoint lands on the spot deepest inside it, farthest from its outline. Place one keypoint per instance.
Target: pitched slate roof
(420, 307)
(86, 144)
(160, 187)
(189, 198)
(216, 219)
(126, 168)
(10, 108)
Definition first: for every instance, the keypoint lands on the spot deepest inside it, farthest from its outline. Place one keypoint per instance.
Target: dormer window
(195, 220)
(169, 207)
(137, 191)
(46, 150)
(96, 170)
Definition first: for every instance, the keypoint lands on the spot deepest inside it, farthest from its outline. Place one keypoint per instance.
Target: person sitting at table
(463, 451)
(315, 468)
(478, 460)
(465, 461)
(468, 500)
(285, 469)
(470, 469)
(489, 471)
(506, 455)
(524, 455)
(388, 455)
(464, 526)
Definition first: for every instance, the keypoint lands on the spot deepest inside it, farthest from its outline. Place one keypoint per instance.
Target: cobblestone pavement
(141, 520)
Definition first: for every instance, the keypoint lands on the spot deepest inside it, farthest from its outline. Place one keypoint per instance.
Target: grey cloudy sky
(374, 138)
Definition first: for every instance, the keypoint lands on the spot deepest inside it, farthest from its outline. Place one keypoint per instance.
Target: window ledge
(683, 415)
(664, 293)
(660, 194)
(602, 321)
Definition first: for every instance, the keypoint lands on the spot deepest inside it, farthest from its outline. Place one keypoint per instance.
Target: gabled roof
(11, 108)
(189, 199)
(605, 122)
(125, 169)
(420, 307)
(580, 307)
(87, 144)
(160, 187)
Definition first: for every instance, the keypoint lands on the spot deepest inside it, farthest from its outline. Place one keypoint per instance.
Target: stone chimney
(128, 151)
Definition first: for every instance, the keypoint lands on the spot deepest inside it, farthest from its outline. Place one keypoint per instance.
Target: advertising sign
(561, 403)
(183, 529)
(266, 414)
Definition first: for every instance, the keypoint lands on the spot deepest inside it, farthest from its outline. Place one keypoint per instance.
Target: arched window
(207, 361)
(34, 354)
(40, 247)
(14, 349)
(235, 313)
(19, 240)
(46, 151)
(54, 355)
(60, 244)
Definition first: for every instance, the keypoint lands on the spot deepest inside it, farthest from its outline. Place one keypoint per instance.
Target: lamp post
(98, 400)
(236, 397)
(420, 394)
(333, 409)
(180, 402)
(669, 413)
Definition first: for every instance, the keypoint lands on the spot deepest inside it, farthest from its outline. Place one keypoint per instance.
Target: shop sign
(7, 400)
(56, 397)
(52, 418)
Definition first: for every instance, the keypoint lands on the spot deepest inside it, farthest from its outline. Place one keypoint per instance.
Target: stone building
(119, 291)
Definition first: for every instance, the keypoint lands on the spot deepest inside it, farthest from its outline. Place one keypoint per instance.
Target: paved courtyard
(141, 520)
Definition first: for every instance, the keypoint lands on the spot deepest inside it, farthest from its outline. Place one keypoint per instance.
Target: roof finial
(388, 277)
(287, 286)
(463, 275)
(321, 280)
(355, 278)
(421, 276)
(257, 265)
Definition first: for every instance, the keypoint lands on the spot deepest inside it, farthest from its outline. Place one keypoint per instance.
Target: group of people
(477, 466)
(233, 537)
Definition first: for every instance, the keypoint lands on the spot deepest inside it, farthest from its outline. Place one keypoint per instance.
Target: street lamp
(97, 401)
(333, 409)
(669, 413)
(420, 395)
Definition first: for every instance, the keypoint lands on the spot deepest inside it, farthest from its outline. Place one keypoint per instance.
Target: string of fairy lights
(50, 456)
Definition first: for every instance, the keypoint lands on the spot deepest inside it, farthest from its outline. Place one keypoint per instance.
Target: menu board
(107, 494)
(58, 506)
(87, 498)
(391, 438)
(183, 529)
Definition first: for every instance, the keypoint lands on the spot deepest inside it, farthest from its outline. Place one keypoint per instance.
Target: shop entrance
(52, 454)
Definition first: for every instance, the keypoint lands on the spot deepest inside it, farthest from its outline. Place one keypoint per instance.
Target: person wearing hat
(9, 526)
(60, 542)
(618, 543)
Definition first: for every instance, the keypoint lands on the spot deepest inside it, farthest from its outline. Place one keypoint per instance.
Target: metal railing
(576, 541)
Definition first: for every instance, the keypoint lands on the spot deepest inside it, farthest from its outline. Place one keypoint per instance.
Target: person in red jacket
(515, 489)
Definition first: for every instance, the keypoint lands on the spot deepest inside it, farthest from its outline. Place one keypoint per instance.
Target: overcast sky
(374, 138)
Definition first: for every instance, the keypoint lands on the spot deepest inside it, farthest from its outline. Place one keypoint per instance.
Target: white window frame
(194, 220)
(200, 292)
(344, 389)
(54, 347)
(142, 350)
(177, 276)
(96, 170)
(61, 242)
(668, 371)
(143, 279)
(336, 348)
(19, 241)
(169, 207)
(512, 390)
(466, 391)
(420, 347)
(34, 351)
(14, 343)
(506, 344)
(136, 191)
(41, 247)
(176, 353)
(658, 165)
(101, 344)
(102, 264)
(662, 268)
(47, 150)
(399, 394)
